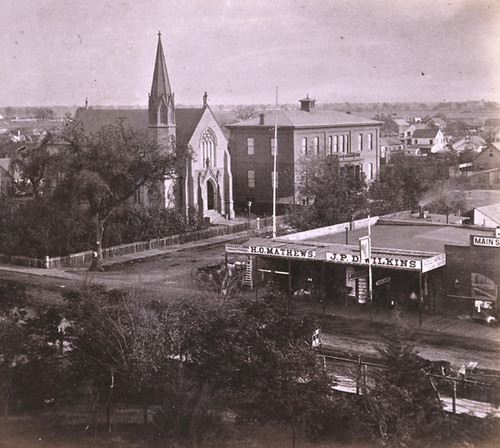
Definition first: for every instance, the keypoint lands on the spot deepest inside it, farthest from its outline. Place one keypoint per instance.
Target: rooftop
(427, 238)
(304, 119)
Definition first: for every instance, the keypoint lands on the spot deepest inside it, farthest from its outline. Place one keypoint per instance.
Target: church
(206, 180)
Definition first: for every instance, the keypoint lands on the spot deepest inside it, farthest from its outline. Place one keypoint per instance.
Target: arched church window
(208, 146)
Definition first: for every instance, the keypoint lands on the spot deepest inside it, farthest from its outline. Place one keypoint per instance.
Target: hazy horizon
(59, 52)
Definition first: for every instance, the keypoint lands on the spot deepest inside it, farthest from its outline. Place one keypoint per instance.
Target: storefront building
(408, 263)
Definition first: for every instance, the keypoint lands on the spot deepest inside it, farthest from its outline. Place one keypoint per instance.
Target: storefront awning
(340, 254)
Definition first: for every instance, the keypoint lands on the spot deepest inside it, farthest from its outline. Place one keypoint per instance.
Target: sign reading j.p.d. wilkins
(282, 252)
(487, 241)
(390, 262)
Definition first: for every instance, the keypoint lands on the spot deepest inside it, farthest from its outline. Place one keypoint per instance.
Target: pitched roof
(186, 121)
(94, 119)
(305, 119)
(474, 141)
(390, 141)
(491, 211)
(425, 133)
(401, 122)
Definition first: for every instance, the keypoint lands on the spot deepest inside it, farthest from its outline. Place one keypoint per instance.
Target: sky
(59, 52)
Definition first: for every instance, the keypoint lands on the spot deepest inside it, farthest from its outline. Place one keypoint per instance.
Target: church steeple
(161, 98)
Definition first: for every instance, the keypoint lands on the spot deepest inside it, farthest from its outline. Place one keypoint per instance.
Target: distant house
(488, 215)
(471, 142)
(426, 141)
(6, 178)
(388, 146)
(488, 158)
(400, 126)
(436, 122)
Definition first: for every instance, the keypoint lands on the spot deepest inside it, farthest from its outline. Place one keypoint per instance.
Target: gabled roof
(94, 119)
(401, 122)
(187, 120)
(491, 211)
(474, 141)
(390, 141)
(305, 119)
(491, 145)
(425, 133)
(5, 165)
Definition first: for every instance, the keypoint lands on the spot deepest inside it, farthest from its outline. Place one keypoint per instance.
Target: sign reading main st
(486, 241)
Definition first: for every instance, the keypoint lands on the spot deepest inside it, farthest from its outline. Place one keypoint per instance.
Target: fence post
(454, 403)
(358, 377)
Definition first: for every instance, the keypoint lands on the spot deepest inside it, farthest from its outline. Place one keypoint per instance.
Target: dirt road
(170, 277)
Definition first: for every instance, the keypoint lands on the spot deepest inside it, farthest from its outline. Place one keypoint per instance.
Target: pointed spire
(161, 83)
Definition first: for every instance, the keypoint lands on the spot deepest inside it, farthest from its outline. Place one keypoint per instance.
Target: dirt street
(172, 276)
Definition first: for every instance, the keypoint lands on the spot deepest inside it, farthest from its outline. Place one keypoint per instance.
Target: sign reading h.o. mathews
(485, 241)
(282, 252)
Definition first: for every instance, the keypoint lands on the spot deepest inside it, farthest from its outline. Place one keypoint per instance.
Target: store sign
(383, 281)
(388, 262)
(433, 263)
(485, 241)
(358, 274)
(235, 249)
(282, 252)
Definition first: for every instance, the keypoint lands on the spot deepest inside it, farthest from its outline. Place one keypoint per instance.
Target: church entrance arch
(210, 195)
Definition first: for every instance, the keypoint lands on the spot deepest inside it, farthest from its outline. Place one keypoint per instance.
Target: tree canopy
(330, 193)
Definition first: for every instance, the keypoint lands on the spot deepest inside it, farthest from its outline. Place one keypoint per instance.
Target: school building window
(304, 146)
(251, 178)
(329, 148)
(341, 144)
(250, 146)
(370, 141)
(316, 145)
(336, 143)
(370, 171)
(360, 142)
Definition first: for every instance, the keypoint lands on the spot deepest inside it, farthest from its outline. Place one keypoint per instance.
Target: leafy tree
(244, 112)
(32, 161)
(401, 184)
(331, 193)
(402, 402)
(44, 113)
(106, 169)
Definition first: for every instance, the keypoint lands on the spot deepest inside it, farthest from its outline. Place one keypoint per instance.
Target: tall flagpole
(275, 163)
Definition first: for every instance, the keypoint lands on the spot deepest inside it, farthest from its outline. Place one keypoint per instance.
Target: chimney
(307, 104)
(261, 119)
(205, 100)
